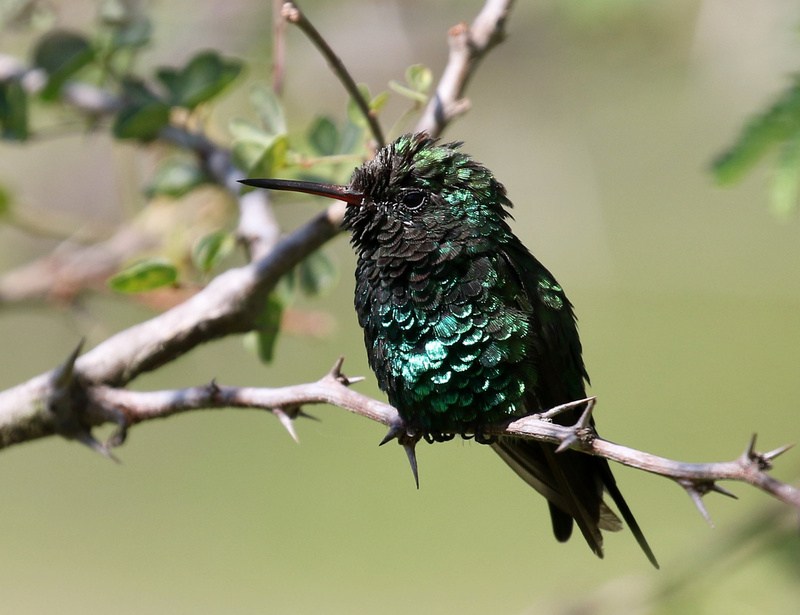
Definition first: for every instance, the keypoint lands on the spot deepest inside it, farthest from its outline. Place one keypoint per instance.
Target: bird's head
(414, 187)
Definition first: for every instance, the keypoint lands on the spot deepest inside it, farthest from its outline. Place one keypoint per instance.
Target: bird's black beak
(332, 191)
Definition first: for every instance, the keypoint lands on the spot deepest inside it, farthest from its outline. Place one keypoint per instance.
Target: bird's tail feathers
(557, 477)
(611, 487)
(573, 484)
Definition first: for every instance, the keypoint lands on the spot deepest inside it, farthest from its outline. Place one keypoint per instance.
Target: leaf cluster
(775, 130)
(142, 107)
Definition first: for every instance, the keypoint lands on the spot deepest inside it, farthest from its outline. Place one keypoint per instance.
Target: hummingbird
(464, 328)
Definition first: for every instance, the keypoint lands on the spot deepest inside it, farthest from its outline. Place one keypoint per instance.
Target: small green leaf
(13, 111)
(419, 78)
(270, 158)
(377, 103)
(210, 250)
(255, 151)
(203, 78)
(374, 104)
(316, 274)
(785, 188)
(143, 276)
(268, 326)
(323, 136)
(245, 130)
(143, 122)
(269, 109)
(760, 134)
(175, 177)
(407, 92)
(351, 138)
(143, 114)
(61, 54)
(136, 33)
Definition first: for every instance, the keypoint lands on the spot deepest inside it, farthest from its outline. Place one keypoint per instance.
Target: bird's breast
(445, 347)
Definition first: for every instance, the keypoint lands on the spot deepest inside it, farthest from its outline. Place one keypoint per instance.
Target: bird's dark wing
(572, 482)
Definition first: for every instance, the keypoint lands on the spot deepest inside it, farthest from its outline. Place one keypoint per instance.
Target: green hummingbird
(464, 327)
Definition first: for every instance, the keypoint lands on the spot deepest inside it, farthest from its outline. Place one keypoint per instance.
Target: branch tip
(458, 30)
(290, 12)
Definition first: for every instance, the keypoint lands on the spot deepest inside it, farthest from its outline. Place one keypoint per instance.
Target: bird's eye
(414, 199)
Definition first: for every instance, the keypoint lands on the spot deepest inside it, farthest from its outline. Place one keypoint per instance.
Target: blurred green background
(601, 118)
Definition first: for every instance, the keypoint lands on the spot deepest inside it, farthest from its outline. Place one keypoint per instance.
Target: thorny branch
(125, 408)
(228, 305)
(85, 391)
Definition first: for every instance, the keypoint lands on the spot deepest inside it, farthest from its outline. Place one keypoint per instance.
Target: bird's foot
(407, 437)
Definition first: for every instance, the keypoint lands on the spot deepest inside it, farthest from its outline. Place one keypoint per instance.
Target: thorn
(750, 451)
(778, 451)
(87, 439)
(567, 442)
(698, 501)
(287, 421)
(117, 438)
(305, 415)
(408, 440)
(586, 417)
(718, 489)
(120, 434)
(64, 372)
(336, 374)
(336, 370)
(395, 431)
(697, 497)
(410, 447)
(568, 406)
(581, 429)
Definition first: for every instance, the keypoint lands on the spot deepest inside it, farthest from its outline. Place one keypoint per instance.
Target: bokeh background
(601, 117)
